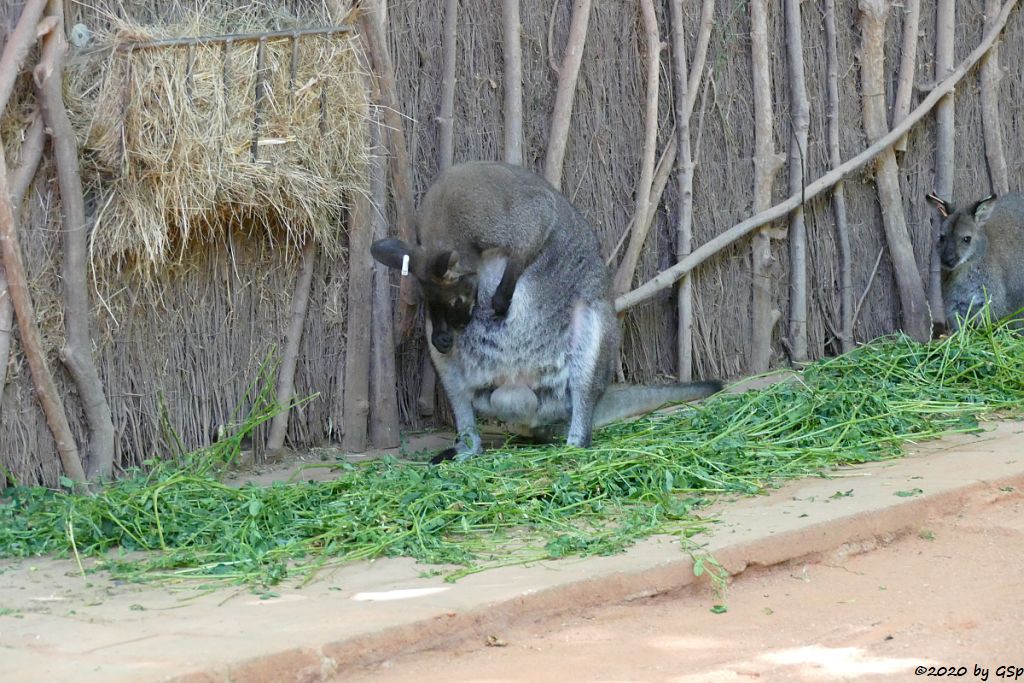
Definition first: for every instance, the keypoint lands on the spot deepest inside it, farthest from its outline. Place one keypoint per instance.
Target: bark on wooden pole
(512, 53)
(627, 267)
(446, 152)
(292, 342)
(372, 26)
(667, 277)
(566, 93)
(846, 315)
(915, 317)
(766, 164)
(357, 337)
(19, 181)
(77, 352)
(687, 80)
(384, 420)
(19, 42)
(801, 117)
(31, 342)
(991, 121)
(908, 65)
(945, 136)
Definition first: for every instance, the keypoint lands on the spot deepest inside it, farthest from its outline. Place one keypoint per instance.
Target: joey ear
(944, 207)
(391, 252)
(983, 209)
(442, 267)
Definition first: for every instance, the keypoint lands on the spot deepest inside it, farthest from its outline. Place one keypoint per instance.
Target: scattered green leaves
(528, 503)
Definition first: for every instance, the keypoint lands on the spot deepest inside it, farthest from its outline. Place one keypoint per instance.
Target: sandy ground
(950, 596)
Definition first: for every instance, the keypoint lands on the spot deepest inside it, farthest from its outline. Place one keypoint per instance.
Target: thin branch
(627, 268)
(292, 340)
(19, 42)
(568, 72)
(908, 64)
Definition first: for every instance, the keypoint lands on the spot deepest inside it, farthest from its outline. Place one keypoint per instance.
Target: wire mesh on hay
(180, 143)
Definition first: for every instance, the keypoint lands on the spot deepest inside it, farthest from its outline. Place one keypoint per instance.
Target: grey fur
(543, 368)
(982, 254)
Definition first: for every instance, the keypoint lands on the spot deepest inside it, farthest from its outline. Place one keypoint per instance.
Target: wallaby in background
(982, 253)
(539, 361)
(461, 221)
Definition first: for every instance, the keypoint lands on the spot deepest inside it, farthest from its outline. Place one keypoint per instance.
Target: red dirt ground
(951, 595)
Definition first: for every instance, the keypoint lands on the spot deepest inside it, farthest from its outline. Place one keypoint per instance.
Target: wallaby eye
(967, 239)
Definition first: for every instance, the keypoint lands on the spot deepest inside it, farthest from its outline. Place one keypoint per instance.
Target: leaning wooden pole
(19, 181)
(292, 341)
(77, 352)
(566, 93)
(638, 235)
(915, 315)
(908, 65)
(767, 163)
(31, 341)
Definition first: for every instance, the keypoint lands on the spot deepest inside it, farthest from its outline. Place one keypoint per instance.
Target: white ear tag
(405, 265)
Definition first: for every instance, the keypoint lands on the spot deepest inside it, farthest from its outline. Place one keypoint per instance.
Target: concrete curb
(849, 531)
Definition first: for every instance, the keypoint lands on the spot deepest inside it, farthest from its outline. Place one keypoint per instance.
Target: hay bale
(166, 136)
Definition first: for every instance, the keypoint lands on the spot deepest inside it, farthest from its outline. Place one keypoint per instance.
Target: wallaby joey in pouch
(981, 249)
(534, 348)
(463, 219)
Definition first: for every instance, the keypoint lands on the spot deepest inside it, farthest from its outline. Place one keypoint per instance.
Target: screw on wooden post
(260, 94)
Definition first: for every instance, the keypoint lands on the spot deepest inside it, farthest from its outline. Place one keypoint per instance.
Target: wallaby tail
(628, 400)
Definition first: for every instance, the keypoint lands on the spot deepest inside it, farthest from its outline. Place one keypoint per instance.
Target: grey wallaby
(539, 361)
(982, 253)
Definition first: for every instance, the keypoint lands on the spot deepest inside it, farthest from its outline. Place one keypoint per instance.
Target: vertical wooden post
(384, 421)
(513, 58)
(801, 118)
(846, 313)
(767, 163)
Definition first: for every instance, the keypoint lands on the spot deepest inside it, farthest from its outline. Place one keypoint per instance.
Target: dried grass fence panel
(216, 322)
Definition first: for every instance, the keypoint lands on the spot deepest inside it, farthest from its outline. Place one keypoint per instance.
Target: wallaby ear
(441, 268)
(392, 252)
(944, 207)
(983, 209)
